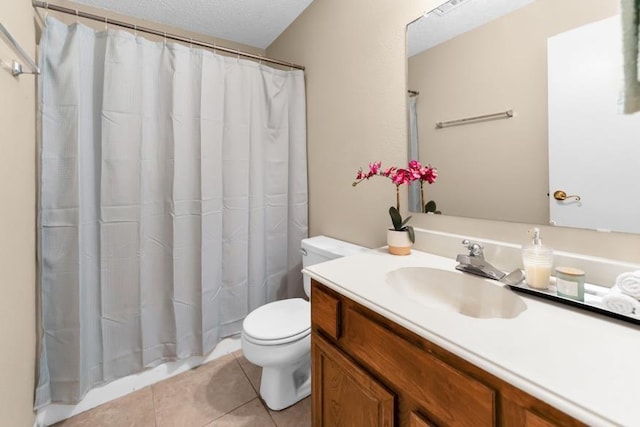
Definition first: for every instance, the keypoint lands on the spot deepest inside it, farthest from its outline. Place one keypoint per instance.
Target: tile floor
(221, 393)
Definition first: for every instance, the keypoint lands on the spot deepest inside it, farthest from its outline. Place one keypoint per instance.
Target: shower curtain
(172, 201)
(415, 200)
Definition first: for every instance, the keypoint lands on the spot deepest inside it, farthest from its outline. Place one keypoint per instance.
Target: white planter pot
(399, 242)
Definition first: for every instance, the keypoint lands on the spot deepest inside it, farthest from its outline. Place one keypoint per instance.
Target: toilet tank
(322, 248)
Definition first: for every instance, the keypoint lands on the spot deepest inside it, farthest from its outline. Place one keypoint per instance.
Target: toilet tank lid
(331, 248)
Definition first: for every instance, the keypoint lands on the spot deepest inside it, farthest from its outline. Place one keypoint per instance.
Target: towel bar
(502, 115)
(15, 67)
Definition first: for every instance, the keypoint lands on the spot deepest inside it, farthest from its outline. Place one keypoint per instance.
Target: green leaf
(405, 221)
(412, 234)
(430, 206)
(396, 218)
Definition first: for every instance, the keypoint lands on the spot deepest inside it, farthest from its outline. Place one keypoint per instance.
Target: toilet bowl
(276, 336)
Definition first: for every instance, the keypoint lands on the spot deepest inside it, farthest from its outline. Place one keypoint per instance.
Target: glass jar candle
(570, 283)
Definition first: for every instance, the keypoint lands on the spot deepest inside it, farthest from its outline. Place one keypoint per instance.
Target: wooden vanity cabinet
(369, 371)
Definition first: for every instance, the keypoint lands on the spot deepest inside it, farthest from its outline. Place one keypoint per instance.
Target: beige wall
(354, 52)
(17, 224)
(499, 66)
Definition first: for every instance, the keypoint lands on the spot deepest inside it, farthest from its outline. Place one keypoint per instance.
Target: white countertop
(584, 364)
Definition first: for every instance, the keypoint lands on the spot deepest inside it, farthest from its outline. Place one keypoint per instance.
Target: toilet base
(286, 370)
(283, 386)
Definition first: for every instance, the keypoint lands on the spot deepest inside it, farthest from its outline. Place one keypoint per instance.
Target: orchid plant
(424, 173)
(399, 176)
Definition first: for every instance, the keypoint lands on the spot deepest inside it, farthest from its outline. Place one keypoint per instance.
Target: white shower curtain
(173, 198)
(415, 198)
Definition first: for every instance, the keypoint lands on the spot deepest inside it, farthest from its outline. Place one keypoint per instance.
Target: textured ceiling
(255, 23)
(432, 29)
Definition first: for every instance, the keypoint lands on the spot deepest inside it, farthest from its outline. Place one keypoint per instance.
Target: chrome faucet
(474, 262)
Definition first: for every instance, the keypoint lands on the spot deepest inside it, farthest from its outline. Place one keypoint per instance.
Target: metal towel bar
(502, 115)
(15, 67)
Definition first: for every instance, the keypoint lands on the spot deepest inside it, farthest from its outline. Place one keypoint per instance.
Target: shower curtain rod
(109, 21)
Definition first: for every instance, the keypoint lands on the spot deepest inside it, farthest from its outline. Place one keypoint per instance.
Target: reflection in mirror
(557, 66)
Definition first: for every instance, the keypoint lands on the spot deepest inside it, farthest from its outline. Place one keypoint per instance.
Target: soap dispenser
(538, 262)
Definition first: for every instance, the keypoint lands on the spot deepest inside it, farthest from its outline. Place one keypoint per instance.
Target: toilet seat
(279, 322)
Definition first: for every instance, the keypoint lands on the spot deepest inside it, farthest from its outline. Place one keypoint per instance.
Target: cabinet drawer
(446, 394)
(325, 311)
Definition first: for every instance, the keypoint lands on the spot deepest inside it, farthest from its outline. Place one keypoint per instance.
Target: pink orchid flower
(429, 174)
(389, 172)
(414, 172)
(414, 165)
(374, 168)
(401, 176)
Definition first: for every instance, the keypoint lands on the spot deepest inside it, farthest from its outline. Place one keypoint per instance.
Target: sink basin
(455, 291)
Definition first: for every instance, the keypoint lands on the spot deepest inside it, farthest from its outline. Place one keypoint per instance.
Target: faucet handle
(475, 248)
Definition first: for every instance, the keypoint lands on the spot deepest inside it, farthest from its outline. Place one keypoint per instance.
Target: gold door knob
(561, 195)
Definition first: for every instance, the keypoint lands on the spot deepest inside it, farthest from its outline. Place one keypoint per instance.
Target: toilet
(276, 336)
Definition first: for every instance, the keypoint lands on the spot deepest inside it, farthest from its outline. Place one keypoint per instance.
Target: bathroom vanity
(380, 357)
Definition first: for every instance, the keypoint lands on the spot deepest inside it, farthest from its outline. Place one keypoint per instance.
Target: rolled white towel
(622, 304)
(629, 283)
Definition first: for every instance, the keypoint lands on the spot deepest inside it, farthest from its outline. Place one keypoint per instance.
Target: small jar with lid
(570, 283)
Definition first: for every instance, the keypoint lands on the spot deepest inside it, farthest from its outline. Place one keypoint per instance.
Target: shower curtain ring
(77, 16)
(165, 38)
(106, 24)
(46, 12)
(190, 42)
(135, 30)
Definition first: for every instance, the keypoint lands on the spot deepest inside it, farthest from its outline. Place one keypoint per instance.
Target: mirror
(494, 74)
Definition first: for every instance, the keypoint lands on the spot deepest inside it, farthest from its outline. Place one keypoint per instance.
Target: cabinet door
(534, 420)
(343, 394)
(529, 412)
(447, 395)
